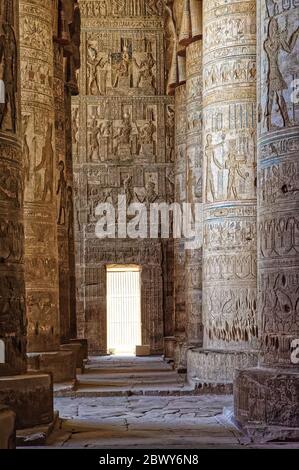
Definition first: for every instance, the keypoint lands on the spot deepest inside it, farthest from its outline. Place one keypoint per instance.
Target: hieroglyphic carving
(229, 259)
(37, 62)
(194, 156)
(278, 130)
(12, 286)
(123, 144)
(180, 169)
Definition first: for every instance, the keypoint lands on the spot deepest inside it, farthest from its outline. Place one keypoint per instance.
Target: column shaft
(194, 191)
(229, 246)
(41, 253)
(179, 245)
(275, 385)
(12, 289)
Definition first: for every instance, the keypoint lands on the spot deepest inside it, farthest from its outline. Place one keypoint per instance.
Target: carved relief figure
(210, 159)
(47, 165)
(146, 77)
(276, 42)
(62, 190)
(232, 164)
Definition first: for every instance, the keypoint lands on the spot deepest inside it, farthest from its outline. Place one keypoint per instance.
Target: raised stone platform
(7, 428)
(207, 368)
(61, 364)
(266, 403)
(30, 396)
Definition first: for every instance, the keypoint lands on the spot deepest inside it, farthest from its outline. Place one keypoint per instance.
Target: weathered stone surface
(7, 428)
(270, 396)
(208, 366)
(180, 172)
(122, 145)
(169, 346)
(61, 364)
(229, 191)
(41, 250)
(194, 158)
(267, 396)
(12, 289)
(30, 396)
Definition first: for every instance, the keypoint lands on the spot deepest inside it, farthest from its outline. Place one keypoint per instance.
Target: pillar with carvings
(274, 386)
(229, 192)
(41, 184)
(180, 170)
(194, 191)
(18, 391)
(12, 288)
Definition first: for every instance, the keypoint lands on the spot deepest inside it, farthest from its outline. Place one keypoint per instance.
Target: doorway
(123, 309)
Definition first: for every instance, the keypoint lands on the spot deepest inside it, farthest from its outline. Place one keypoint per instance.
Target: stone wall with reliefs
(12, 288)
(123, 127)
(38, 113)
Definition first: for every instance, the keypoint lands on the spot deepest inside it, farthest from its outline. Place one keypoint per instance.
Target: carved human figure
(122, 68)
(92, 62)
(129, 190)
(101, 75)
(145, 71)
(8, 61)
(70, 212)
(47, 164)
(276, 42)
(147, 132)
(62, 190)
(210, 159)
(26, 150)
(233, 165)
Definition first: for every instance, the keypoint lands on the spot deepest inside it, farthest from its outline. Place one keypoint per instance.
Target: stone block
(143, 351)
(84, 346)
(267, 397)
(212, 366)
(169, 345)
(7, 428)
(61, 364)
(76, 350)
(30, 396)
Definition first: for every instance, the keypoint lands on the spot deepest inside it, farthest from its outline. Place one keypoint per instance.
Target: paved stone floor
(91, 419)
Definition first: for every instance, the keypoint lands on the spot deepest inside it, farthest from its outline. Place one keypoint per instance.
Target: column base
(76, 350)
(169, 346)
(30, 397)
(7, 428)
(180, 356)
(216, 368)
(266, 403)
(84, 346)
(61, 364)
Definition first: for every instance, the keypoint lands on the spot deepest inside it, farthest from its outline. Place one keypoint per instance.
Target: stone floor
(92, 417)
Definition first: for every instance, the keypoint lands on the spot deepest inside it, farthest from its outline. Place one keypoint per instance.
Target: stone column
(194, 191)
(12, 288)
(41, 250)
(229, 245)
(21, 390)
(61, 190)
(269, 395)
(180, 170)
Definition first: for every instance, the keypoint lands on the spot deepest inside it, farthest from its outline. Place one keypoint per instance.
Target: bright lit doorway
(123, 309)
